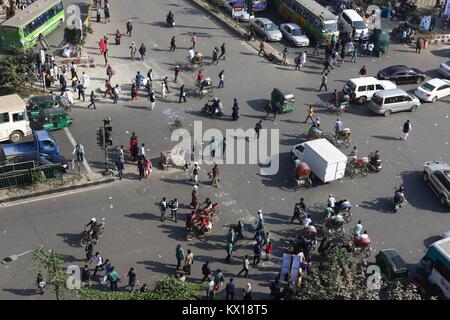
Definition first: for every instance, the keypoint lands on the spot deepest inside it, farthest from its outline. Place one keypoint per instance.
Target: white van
(362, 89)
(351, 19)
(14, 123)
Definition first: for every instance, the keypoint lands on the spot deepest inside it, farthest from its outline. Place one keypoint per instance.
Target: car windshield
(359, 25)
(330, 26)
(447, 63)
(270, 27)
(297, 32)
(427, 87)
(377, 100)
(351, 85)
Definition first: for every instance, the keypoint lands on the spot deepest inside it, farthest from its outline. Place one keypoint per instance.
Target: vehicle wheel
(426, 176)
(362, 99)
(286, 246)
(443, 200)
(413, 108)
(190, 236)
(16, 136)
(83, 242)
(387, 113)
(434, 99)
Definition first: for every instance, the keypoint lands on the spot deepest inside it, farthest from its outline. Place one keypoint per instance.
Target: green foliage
(15, 69)
(38, 176)
(399, 291)
(167, 289)
(52, 263)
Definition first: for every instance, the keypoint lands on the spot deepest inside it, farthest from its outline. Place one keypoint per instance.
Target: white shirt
(98, 260)
(331, 201)
(142, 151)
(303, 58)
(306, 222)
(85, 80)
(259, 217)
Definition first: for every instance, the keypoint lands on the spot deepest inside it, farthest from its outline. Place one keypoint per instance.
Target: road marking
(73, 142)
(12, 204)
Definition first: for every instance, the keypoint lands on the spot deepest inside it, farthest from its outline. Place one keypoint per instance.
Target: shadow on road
(143, 216)
(21, 292)
(388, 138)
(72, 239)
(381, 204)
(159, 267)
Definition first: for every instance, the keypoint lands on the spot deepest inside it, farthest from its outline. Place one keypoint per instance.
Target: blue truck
(42, 142)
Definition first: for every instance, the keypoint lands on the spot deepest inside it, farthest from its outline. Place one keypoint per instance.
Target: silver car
(294, 34)
(266, 28)
(444, 69)
(437, 175)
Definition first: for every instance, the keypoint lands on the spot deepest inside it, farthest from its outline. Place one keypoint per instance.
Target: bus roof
(31, 12)
(11, 102)
(317, 9)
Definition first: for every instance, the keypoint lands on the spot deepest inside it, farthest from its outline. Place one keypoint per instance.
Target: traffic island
(242, 32)
(66, 183)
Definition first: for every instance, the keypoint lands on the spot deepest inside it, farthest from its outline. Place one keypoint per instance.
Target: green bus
(315, 20)
(23, 30)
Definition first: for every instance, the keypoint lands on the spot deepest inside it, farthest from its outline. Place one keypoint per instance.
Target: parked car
(40, 159)
(433, 89)
(238, 7)
(444, 69)
(385, 102)
(266, 28)
(294, 34)
(437, 175)
(401, 74)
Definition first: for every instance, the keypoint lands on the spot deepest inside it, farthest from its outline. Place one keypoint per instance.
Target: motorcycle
(170, 20)
(196, 232)
(375, 162)
(362, 246)
(398, 200)
(295, 246)
(343, 207)
(214, 109)
(215, 207)
(92, 235)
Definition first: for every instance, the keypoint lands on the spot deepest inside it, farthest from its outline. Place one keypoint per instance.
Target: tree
(169, 288)
(15, 69)
(53, 264)
(340, 277)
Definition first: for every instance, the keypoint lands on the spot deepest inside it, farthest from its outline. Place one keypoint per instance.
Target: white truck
(325, 160)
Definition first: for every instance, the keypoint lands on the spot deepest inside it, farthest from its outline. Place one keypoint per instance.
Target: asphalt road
(135, 237)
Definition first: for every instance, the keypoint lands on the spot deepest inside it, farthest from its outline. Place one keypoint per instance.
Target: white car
(433, 89)
(294, 34)
(238, 7)
(266, 28)
(444, 69)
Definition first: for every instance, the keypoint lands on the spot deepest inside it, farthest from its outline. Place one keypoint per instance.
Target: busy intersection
(136, 237)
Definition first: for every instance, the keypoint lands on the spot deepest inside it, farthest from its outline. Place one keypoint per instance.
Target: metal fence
(30, 176)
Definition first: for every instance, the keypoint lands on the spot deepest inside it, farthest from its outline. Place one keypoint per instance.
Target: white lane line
(74, 143)
(19, 202)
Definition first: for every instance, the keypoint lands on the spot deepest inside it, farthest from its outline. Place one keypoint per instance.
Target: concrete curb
(59, 190)
(271, 54)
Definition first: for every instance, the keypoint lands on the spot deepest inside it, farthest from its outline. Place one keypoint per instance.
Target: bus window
(4, 117)
(58, 7)
(20, 116)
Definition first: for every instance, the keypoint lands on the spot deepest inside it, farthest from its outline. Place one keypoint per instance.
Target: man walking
(418, 45)
(120, 167)
(79, 151)
(256, 254)
(239, 230)
(89, 249)
(188, 262)
(173, 204)
(80, 88)
(215, 59)
(195, 171)
(173, 45)
(131, 279)
(193, 41)
(354, 55)
(215, 176)
(326, 66)
(229, 249)
(98, 263)
(406, 130)
(229, 289)
(179, 254)
(133, 50)
(245, 266)
(129, 27)
(310, 115)
(113, 278)
(316, 47)
(166, 83)
(222, 51)
(261, 48)
(285, 53)
(258, 127)
(115, 94)
(206, 271)
(221, 79)
(176, 72)
(163, 208)
(323, 84)
(182, 94)
(142, 51)
(92, 98)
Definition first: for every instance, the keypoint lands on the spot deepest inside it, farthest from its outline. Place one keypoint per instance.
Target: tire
(190, 236)
(387, 113)
(413, 108)
(426, 176)
(286, 246)
(16, 136)
(434, 99)
(362, 99)
(443, 200)
(83, 241)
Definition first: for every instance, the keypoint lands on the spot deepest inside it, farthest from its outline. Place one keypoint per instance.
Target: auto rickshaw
(38, 103)
(302, 173)
(380, 39)
(280, 102)
(314, 133)
(195, 60)
(393, 268)
(343, 138)
(53, 118)
(205, 87)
